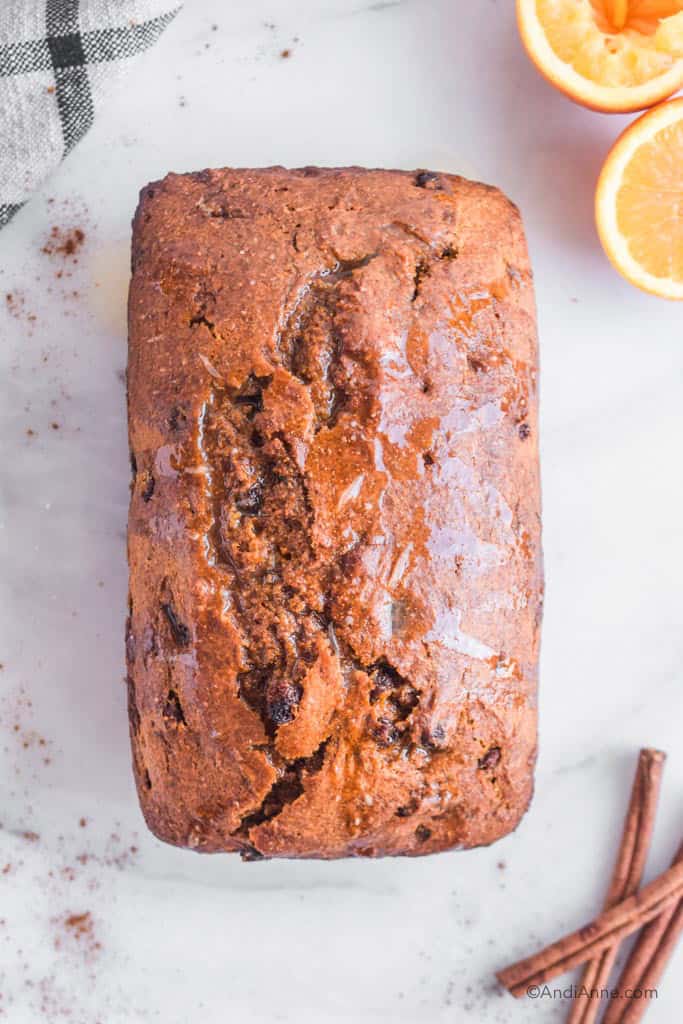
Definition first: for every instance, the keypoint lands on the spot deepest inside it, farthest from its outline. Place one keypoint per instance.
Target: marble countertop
(180, 938)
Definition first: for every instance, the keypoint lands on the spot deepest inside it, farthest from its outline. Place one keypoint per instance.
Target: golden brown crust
(334, 535)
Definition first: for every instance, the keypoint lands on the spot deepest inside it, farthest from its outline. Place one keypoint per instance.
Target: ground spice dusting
(63, 242)
(70, 872)
(15, 303)
(80, 924)
(75, 933)
(62, 246)
(82, 928)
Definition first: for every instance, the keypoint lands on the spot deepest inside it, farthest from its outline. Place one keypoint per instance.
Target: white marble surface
(184, 938)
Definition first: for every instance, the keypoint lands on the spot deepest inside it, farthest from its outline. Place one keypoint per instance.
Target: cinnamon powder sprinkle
(64, 241)
(80, 924)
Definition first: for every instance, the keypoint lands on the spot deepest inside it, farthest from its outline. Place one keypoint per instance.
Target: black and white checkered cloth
(57, 58)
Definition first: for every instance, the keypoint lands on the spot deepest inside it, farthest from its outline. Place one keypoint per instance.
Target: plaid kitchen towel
(57, 58)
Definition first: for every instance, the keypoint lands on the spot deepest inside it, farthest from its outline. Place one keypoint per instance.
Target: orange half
(609, 55)
(639, 202)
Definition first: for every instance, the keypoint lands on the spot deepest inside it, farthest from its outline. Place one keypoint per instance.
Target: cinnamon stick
(626, 876)
(657, 966)
(646, 962)
(609, 928)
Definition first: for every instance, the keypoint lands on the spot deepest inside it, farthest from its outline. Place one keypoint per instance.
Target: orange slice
(639, 202)
(609, 55)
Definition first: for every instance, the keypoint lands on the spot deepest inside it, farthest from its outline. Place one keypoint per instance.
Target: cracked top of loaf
(334, 535)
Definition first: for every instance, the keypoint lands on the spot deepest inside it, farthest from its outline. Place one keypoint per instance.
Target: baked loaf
(335, 570)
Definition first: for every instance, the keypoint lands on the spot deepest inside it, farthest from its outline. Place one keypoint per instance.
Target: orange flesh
(650, 204)
(617, 13)
(585, 35)
(641, 16)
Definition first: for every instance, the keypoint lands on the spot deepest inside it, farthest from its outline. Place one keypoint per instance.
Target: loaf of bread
(334, 536)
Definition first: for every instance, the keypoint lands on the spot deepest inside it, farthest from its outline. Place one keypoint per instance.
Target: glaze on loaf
(334, 533)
